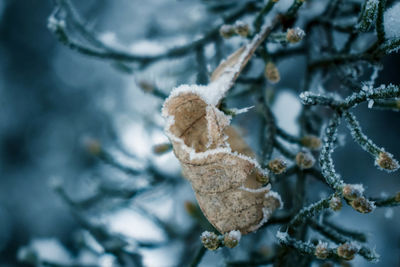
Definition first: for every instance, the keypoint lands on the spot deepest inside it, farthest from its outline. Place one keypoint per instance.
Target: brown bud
(232, 238)
(345, 264)
(311, 141)
(321, 250)
(242, 28)
(305, 160)
(261, 177)
(363, 205)
(272, 73)
(347, 251)
(92, 146)
(146, 86)
(227, 31)
(352, 191)
(397, 197)
(162, 148)
(210, 240)
(295, 35)
(335, 203)
(398, 103)
(387, 162)
(277, 165)
(266, 251)
(190, 208)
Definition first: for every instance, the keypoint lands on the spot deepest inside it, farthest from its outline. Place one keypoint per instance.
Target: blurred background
(59, 108)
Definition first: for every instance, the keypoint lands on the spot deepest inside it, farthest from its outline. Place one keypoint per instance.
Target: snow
(287, 108)
(354, 245)
(134, 225)
(49, 249)
(109, 38)
(146, 47)
(322, 244)
(258, 190)
(142, 47)
(211, 94)
(235, 235)
(107, 260)
(370, 103)
(392, 21)
(161, 256)
(135, 138)
(389, 213)
(206, 234)
(240, 111)
(54, 24)
(359, 188)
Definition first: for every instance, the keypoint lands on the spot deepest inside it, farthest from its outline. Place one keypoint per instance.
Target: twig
(197, 259)
(325, 159)
(310, 211)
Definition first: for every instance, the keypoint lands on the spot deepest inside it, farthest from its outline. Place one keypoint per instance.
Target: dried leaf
(218, 163)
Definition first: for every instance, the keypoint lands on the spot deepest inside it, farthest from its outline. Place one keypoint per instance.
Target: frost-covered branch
(383, 160)
(366, 94)
(325, 160)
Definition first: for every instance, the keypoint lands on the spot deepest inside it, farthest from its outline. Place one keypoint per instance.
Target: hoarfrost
(370, 103)
(282, 236)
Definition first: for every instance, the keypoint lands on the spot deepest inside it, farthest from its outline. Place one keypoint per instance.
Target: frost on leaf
(214, 158)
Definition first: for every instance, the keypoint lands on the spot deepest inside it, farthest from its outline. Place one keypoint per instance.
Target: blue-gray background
(51, 98)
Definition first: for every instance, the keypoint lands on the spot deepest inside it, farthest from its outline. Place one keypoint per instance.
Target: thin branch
(199, 255)
(325, 160)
